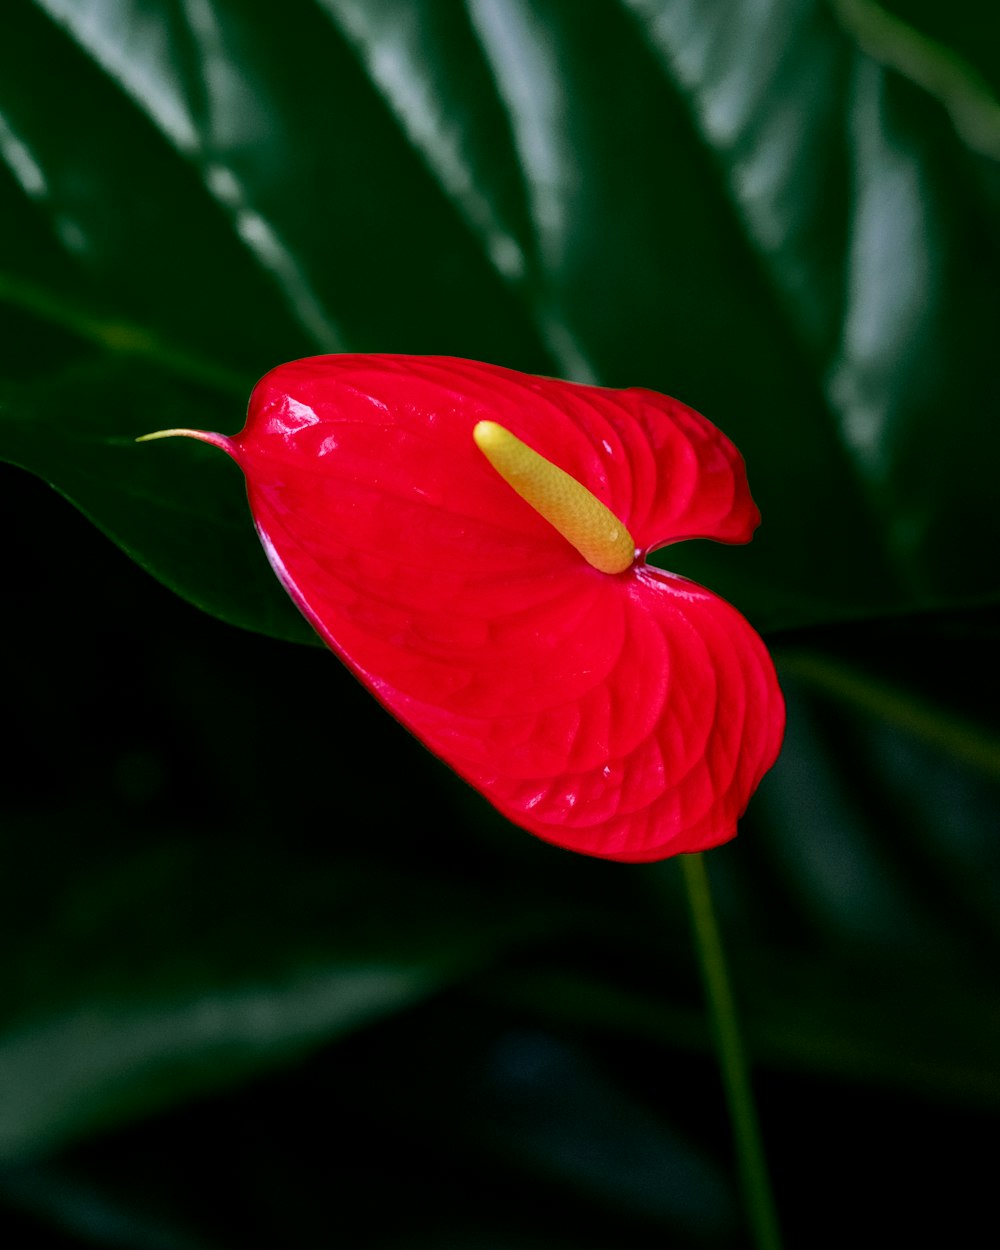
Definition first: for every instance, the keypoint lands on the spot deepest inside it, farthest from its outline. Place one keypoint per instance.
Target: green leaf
(745, 209)
(783, 213)
(103, 1214)
(951, 51)
(175, 970)
(78, 430)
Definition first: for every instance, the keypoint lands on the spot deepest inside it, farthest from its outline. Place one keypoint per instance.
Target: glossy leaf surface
(703, 214)
(629, 715)
(783, 212)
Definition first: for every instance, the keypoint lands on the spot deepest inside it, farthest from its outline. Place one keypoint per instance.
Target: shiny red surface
(628, 716)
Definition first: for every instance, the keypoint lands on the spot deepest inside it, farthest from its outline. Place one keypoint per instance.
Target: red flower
(628, 714)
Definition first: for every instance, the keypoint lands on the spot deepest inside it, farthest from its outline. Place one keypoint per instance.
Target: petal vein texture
(628, 715)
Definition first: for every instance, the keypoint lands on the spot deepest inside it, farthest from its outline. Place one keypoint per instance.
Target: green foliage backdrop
(379, 1014)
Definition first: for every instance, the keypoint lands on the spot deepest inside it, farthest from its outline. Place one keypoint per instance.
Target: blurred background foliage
(378, 1015)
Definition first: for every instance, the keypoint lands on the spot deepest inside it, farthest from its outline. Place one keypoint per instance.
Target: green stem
(754, 1179)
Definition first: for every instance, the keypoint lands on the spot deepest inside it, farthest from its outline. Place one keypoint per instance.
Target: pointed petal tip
(222, 441)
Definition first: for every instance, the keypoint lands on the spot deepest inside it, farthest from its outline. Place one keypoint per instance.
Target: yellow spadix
(565, 503)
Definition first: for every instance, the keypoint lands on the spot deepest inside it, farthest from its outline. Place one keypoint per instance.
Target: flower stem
(754, 1179)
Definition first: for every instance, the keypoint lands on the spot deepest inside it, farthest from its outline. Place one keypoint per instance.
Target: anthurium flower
(472, 542)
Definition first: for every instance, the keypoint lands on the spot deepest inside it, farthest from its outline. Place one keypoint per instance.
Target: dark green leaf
(79, 430)
(217, 978)
(743, 209)
(265, 962)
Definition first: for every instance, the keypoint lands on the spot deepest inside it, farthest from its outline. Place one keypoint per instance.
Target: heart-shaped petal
(626, 715)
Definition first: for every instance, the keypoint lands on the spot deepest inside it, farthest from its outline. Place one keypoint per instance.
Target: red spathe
(628, 715)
